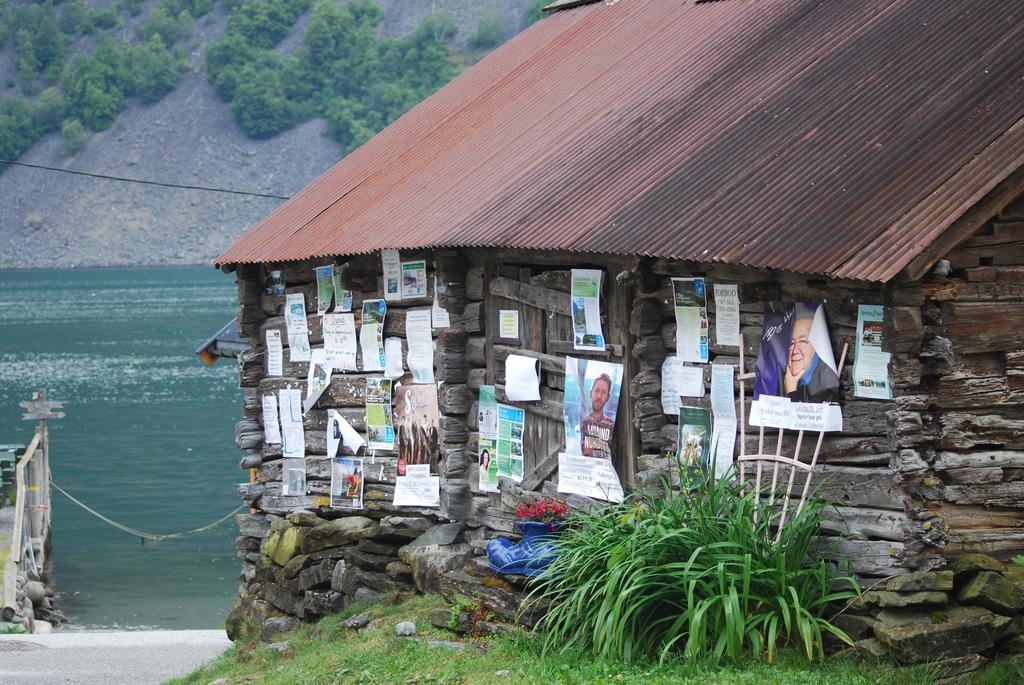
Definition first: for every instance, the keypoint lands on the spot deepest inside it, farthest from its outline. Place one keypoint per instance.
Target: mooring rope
(139, 533)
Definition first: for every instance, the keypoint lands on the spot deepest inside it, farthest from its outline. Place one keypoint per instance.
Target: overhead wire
(161, 184)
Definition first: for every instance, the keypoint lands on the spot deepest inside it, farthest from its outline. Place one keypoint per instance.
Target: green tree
(259, 105)
(49, 110)
(72, 136)
(94, 85)
(349, 122)
(153, 70)
(26, 63)
(225, 59)
(17, 131)
(490, 32)
(73, 17)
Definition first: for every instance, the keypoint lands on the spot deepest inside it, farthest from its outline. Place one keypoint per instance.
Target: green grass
(326, 652)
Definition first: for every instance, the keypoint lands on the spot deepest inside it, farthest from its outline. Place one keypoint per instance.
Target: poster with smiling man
(588, 411)
(796, 382)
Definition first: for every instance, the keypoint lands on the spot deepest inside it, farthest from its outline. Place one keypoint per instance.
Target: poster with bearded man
(796, 382)
(591, 402)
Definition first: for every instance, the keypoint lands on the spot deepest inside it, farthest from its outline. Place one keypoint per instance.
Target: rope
(142, 534)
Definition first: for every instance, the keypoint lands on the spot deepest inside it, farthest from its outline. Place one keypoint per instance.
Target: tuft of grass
(690, 576)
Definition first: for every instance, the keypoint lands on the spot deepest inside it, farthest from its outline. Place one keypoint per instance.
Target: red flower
(547, 510)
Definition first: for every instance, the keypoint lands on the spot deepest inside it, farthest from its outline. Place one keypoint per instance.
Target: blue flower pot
(528, 557)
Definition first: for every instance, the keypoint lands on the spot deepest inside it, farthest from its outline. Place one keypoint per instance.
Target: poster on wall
(414, 279)
(589, 477)
(590, 404)
(298, 330)
(391, 262)
(723, 409)
(317, 378)
(796, 385)
(508, 324)
(871, 364)
(727, 314)
(271, 428)
(293, 437)
(380, 430)
(419, 337)
(346, 483)
(342, 296)
(275, 353)
(487, 457)
(340, 341)
(511, 427)
(693, 452)
(691, 310)
(324, 288)
(293, 481)
(340, 432)
(417, 426)
(371, 334)
(417, 488)
(439, 315)
(585, 295)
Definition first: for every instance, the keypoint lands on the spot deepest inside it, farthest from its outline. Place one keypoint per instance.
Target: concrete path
(137, 657)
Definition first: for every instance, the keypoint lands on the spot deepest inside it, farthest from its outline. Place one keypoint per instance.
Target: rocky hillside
(188, 137)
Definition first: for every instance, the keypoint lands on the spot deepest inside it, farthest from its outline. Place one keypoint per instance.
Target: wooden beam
(533, 295)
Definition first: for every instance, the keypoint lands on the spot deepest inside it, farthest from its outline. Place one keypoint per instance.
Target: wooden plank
(529, 294)
(543, 468)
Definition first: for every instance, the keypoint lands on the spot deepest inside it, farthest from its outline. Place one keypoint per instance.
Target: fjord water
(148, 439)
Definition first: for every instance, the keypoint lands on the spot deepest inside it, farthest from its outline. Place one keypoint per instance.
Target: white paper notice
(293, 477)
(271, 429)
(522, 378)
(317, 379)
(298, 331)
(691, 381)
(508, 324)
(340, 341)
(340, 429)
(293, 438)
(723, 407)
(417, 488)
(781, 412)
(439, 315)
(421, 345)
(393, 367)
(275, 353)
(727, 315)
(670, 385)
(871, 364)
(588, 477)
(585, 300)
(392, 264)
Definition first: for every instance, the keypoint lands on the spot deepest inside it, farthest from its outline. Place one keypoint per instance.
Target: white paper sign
(723, 407)
(293, 438)
(678, 379)
(393, 367)
(415, 490)
(522, 378)
(271, 429)
(871, 364)
(298, 331)
(338, 429)
(585, 301)
(691, 381)
(508, 324)
(340, 341)
(589, 477)
(392, 263)
(293, 474)
(781, 412)
(727, 314)
(275, 353)
(421, 345)
(439, 315)
(317, 379)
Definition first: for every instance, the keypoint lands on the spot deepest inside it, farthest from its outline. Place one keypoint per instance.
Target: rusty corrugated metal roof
(807, 135)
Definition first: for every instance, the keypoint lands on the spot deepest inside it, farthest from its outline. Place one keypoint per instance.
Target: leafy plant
(690, 574)
(1019, 560)
(13, 629)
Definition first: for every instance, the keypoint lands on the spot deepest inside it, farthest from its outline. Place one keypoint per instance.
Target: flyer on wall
(340, 341)
(585, 296)
(340, 432)
(419, 337)
(371, 334)
(511, 427)
(417, 426)
(723, 409)
(439, 315)
(391, 262)
(317, 378)
(380, 430)
(294, 477)
(590, 403)
(298, 330)
(324, 288)
(271, 428)
(871, 365)
(796, 384)
(346, 483)
(293, 437)
(342, 296)
(693, 452)
(275, 353)
(589, 477)
(691, 309)
(417, 488)
(487, 458)
(727, 314)
(414, 279)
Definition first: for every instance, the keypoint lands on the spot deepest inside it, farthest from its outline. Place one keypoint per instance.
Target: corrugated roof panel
(794, 134)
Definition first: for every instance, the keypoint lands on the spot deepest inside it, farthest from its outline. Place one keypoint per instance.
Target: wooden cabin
(867, 153)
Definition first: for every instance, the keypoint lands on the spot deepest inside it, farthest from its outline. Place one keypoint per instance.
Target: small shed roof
(822, 137)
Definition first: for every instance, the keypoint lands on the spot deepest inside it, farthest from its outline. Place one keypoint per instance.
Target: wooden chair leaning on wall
(760, 459)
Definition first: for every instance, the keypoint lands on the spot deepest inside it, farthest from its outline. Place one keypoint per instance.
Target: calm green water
(148, 439)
